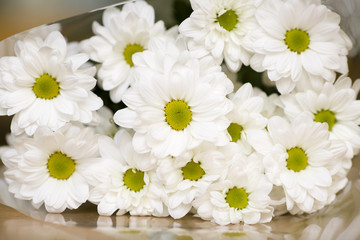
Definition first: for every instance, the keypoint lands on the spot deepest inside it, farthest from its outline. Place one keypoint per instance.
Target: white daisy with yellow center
(241, 196)
(52, 167)
(189, 175)
(246, 118)
(301, 160)
(124, 33)
(218, 27)
(176, 104)
(299, 43)
(125, 181)
(43, 86)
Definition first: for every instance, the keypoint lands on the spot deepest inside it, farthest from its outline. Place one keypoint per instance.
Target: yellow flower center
(60, 166)
(228, 20)
(326, 116)
(297, 40)
(297, 160)
(178, 114)
(134, 179)
(129, 50)
(237, 198)
(235, 131)
(46, 87)
(192, 171)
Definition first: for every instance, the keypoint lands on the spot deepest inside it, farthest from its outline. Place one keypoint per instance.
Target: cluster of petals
(185, 141)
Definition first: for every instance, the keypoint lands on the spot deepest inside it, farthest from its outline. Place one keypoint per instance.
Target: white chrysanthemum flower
(125, 32)
(176, 103)
(336, 105)
(51, 167)
(189, 175)
(246, 118)
(43, 86)
(299, 43)
(300, 160)
(242, 196)
(217, 28)
(125, 181)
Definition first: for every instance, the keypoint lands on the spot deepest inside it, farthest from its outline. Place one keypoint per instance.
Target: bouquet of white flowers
(145, 119)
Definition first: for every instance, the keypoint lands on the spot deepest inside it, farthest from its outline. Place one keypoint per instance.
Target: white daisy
(336, 105)
(52, 167)
(41, 85)
(217, 28)
(299, 43)
(189, 175)
(176, 104)
(125, 32)
(125, 181)
(246, 118)
(300, 160)
(243, 196)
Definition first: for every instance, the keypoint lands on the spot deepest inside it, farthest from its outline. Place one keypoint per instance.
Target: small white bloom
(124, 180)
(176, 103)
(189, 175)
(336, 105)
(217, 28)
(125, 32)
(242, 196)
(301, 161)
(299, 43)
(246, 118)
(43, 86)
(51, 167)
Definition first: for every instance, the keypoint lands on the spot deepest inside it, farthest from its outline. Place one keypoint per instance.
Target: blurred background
(19, 15)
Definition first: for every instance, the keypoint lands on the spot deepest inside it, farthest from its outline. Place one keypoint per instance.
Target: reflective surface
(19, 220)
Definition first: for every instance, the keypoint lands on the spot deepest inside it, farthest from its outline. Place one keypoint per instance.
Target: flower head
(301, 160)
(43, 86)
(299, 43)
(189, 175)
(242, 196)
(51, 167)
(175, 104)
(125, 33)
(125, 181)
(246, 117)
(218, 27)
